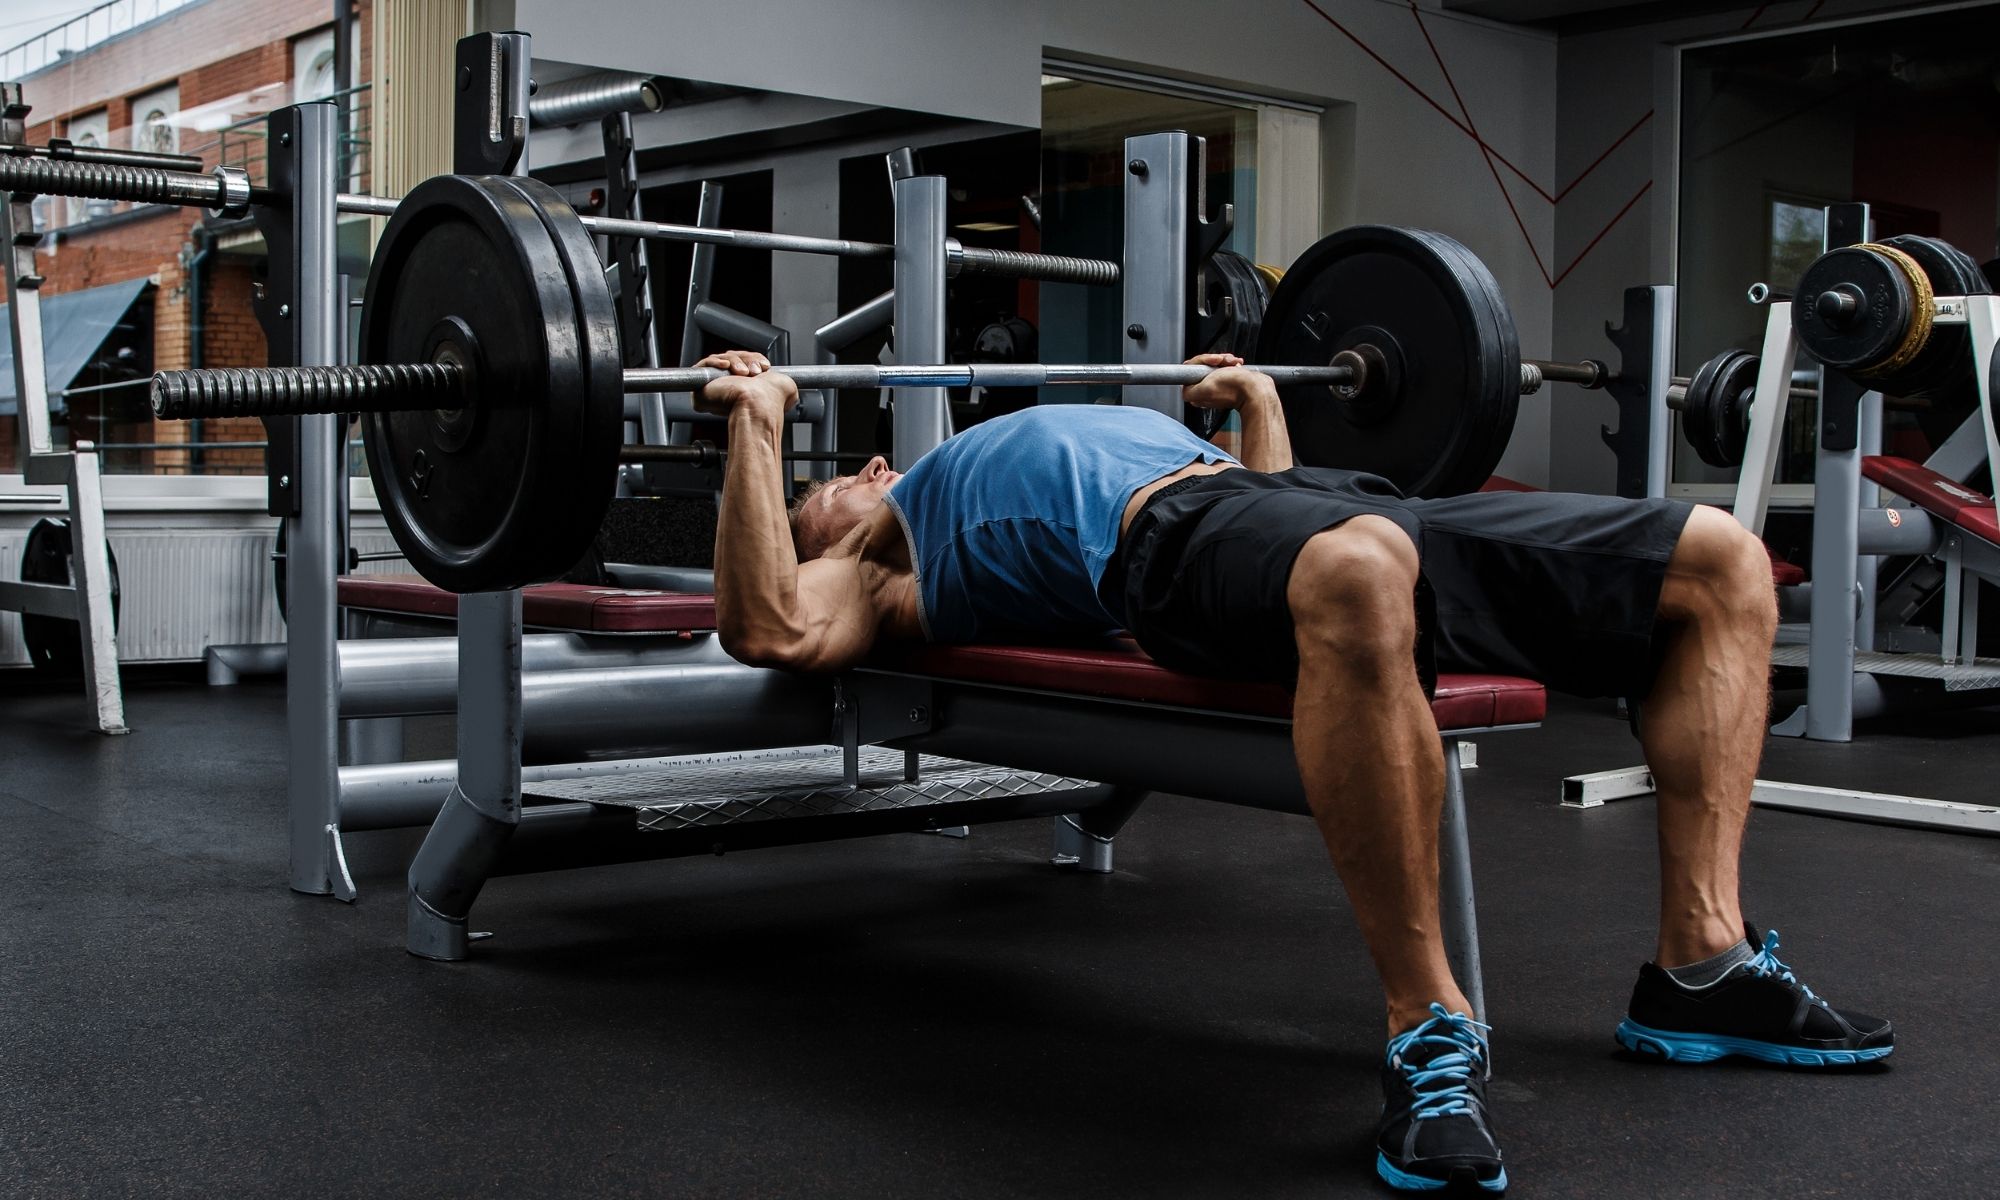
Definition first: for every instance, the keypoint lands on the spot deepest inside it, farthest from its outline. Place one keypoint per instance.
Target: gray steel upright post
(484, 807)
(701, 271)
(1158, 167)
(1830, 675)
(312, 682)
(1868, 570)
(1455, 900)
(922, 416)
(1660, 419)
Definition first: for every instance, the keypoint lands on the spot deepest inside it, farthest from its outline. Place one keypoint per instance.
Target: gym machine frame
(87, 598)
(1849, 533)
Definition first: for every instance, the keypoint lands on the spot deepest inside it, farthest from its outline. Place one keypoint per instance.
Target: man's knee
(1720, 572)
(1352, 592)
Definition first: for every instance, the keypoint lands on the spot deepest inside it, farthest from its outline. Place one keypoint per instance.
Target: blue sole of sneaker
(1403, 1181)
(1701, 1048)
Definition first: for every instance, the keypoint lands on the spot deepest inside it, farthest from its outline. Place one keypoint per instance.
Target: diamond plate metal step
(716, 790)
(1974, 676)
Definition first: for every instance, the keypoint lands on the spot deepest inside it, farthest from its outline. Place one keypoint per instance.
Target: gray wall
(1391, 156)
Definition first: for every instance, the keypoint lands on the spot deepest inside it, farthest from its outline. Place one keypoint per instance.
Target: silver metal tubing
(1896, 531)
(864, 375)
(401, 677)
(66, 151)
(579, 716)
(595, 96)
(228, 190)
(225, 665)
(587, 699)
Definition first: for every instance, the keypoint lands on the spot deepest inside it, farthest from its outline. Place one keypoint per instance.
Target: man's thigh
(1555, 587)
(1205, 572)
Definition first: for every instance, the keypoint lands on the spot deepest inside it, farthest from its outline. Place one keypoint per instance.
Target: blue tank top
(1012, 522)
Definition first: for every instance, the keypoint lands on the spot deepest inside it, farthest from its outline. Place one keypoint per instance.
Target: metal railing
(80, 33)
(241, 145)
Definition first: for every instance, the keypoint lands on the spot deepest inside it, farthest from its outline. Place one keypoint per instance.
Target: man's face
(846, 501)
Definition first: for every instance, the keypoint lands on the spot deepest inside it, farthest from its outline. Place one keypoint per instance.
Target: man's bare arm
(1267, 444)
(770, 610)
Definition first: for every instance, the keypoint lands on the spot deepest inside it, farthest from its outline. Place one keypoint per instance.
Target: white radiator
(183, 590)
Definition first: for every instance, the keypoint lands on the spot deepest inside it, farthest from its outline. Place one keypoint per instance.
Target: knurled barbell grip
(301, 391)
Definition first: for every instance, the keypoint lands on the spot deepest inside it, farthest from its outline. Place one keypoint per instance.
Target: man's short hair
(805, 542)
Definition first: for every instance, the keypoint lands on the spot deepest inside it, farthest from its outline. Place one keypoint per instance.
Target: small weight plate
(1441, 430)
(53, 643)
(1715, 415)
(505, 491)
(1231, 283)
(1875, 329)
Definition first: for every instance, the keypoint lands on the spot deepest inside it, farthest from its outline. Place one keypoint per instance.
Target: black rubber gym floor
(923, 1017)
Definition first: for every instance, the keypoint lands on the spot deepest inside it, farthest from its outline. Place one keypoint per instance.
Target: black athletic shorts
(1554, 587)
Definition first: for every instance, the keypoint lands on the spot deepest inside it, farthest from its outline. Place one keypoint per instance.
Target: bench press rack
(1950, 522)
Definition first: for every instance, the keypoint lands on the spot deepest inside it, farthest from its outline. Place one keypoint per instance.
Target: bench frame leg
(463, 847)
(1455, 901)
(1083, 840)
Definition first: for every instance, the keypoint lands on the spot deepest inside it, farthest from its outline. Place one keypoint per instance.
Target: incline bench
(1976, 549)
(911, 729)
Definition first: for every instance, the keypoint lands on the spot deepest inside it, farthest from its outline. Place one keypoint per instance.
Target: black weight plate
(53, 643)
(1698, 413)
(599, 428)
(1500, 417)
(1874, 331)
(1736, 392)
(487, 497)
(1230, 282)
(1443, 429)
(1942, 372)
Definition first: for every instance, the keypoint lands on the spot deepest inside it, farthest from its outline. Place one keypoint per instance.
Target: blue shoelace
(1464, 1053)
(1766, 964)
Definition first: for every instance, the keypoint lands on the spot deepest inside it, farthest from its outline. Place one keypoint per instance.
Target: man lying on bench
(1084, 519)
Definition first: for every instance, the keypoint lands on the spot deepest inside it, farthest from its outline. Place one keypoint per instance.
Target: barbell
(493, 380)
(493, 384)
(228, 192)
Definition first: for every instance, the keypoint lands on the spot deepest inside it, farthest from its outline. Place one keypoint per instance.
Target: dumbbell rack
(87, 598)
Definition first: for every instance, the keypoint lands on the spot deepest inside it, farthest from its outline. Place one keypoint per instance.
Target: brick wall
(213, 51)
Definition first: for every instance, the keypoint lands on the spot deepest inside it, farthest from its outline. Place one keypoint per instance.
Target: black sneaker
(1435, 1133)
(1759, 1010)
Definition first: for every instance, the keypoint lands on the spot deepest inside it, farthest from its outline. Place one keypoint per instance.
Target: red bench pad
(1116, 670)
(1785, 574)
(1121, 671)
(545, 605)
(1934, 493)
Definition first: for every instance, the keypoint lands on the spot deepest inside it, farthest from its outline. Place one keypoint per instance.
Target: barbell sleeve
(226, 190)
(301, 391)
